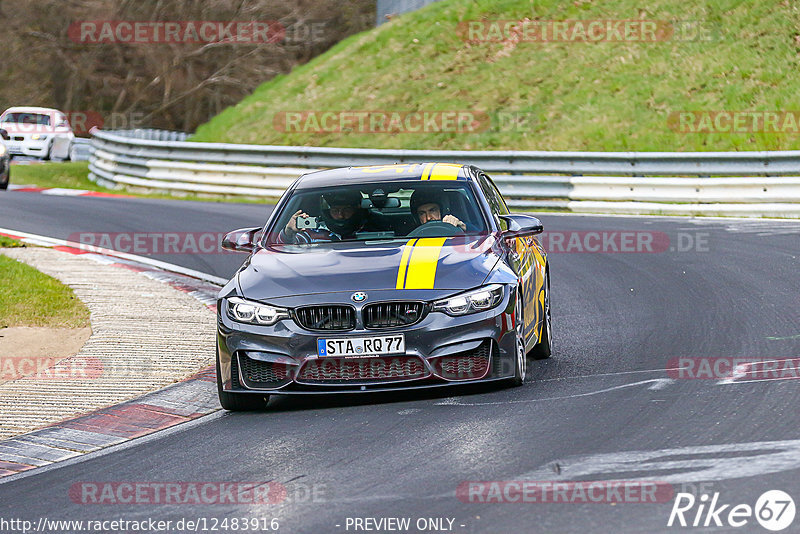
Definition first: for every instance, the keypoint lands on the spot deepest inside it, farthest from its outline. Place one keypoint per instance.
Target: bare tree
(173, 85)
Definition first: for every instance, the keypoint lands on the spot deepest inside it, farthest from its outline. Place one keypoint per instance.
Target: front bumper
(23, 145)
(440, 350)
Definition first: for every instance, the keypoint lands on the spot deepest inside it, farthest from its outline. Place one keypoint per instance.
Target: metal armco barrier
(79, 150)
(718, 183)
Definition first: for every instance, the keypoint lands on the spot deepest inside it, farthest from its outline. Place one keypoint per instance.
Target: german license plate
(361, 346)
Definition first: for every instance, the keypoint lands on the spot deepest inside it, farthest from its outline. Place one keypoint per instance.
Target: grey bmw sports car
(380, 278)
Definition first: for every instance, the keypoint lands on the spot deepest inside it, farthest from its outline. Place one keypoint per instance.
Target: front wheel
(544, 347)
(520, 362)
(239, 402)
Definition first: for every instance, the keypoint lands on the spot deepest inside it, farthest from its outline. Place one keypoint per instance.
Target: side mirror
(242, 240)
(4, 135)
(522, 225)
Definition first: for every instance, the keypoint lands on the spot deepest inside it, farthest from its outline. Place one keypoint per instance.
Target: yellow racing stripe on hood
(422, 263)
(426, 171)
(401, 272)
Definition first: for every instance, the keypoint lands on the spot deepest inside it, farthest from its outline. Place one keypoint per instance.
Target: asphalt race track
(604, 407)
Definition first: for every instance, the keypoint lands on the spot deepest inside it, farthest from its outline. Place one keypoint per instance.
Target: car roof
(384, 173)
(31, 109)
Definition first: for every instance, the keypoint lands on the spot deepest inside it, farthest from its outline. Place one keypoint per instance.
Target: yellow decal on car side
(542, 319)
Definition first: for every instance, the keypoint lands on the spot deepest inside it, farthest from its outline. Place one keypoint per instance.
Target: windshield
(26, 118)
(380, 210)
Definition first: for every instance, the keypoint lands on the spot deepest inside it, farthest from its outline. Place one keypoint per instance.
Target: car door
(522, 259)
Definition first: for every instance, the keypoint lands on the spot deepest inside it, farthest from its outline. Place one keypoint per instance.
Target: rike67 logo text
(774, 510)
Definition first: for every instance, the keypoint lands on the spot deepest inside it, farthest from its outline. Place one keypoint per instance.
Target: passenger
(426, 206)
(340, 221)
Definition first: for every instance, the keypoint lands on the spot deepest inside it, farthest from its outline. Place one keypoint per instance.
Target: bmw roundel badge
(359, 296)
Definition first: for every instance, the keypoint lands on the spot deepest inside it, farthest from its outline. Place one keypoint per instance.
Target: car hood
(453, 263)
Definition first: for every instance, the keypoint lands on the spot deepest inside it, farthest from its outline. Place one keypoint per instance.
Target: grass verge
(725, 55)
(31, 298)
(68, 174)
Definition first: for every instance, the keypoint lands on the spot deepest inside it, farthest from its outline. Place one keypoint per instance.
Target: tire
(544, 348)
(520, 362)
(4, 185)
(239, 402)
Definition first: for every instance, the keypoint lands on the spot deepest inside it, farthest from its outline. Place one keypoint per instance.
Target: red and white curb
(62, 192)
(152, 412)
(173, 405)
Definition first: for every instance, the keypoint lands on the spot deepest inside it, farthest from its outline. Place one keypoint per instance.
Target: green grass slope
(569, 95)
(45, 301)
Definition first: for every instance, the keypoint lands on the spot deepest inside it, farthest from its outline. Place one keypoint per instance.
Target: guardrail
(718, 183)
(80, 150)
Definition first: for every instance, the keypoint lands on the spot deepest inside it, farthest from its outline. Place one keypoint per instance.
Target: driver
(426, 206)
(340, 221)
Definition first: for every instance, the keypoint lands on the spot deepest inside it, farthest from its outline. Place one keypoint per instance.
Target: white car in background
(38, 132)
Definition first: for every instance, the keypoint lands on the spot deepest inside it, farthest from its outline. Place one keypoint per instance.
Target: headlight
(477, 300)
(2, 149)
(37, 137)
(245, 311)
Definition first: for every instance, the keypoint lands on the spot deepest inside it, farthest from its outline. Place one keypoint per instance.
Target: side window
(500, 198)
(495, 200)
